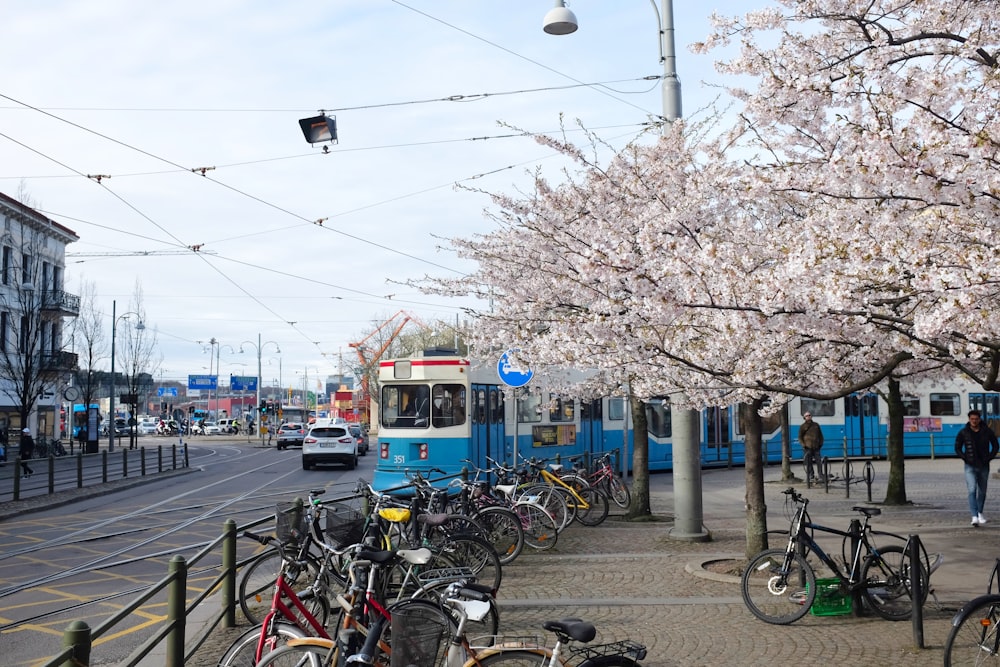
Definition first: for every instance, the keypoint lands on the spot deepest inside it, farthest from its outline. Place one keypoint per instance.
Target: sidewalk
(634, 582)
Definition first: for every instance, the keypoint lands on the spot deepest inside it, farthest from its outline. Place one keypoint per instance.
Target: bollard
(229, 567)
(51, 478)
(142, 461)
(848, 476)
(124, 462)
(159, 458)
(79, 469)
(77, 637)
(104, 466)
(17, 478)
(869, 477)
(176, 595)
(914, 550)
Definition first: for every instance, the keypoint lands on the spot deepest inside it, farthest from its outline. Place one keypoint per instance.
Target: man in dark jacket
(27, 450)
(811, 438)
(977, 445)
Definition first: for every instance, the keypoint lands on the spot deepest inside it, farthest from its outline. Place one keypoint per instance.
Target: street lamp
(258, 347)
(114, 329)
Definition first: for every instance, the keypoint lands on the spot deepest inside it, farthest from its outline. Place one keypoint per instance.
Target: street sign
(203, 381)
(243, 383)
(511, 374)
(166, 391)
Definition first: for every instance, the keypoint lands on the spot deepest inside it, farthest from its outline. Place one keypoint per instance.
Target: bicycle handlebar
(263, 539)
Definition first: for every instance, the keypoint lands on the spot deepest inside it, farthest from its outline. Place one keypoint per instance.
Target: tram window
(911, 406)
(769, 423)
(591, 410)
(496, 406)
(529, 407)
(817, 408)
(945, 405)
(447, 405)
(658, 418)
(560, 409)
(616, 408)
(480, 417)
(405, 406)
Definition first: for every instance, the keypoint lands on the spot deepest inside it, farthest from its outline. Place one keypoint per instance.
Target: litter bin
(418, 636)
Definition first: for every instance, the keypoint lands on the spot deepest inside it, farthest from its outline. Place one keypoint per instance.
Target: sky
(151, 132)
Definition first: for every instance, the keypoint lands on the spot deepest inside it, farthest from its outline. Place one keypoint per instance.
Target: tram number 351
(399, 459)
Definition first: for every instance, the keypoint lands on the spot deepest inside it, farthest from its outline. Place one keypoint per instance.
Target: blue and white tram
(435, 411)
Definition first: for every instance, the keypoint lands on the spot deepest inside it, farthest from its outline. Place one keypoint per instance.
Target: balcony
(59, 362)
(58, 301)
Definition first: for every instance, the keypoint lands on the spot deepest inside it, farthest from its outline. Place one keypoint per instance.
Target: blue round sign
(510, 375)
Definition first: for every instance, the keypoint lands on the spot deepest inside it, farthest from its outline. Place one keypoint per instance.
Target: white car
(210, 428)
(329, 444)
(147, 426)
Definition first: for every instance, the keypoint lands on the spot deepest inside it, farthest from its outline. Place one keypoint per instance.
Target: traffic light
(263, 407)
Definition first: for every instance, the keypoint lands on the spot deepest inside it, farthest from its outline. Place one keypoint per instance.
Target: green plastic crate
(830, 601)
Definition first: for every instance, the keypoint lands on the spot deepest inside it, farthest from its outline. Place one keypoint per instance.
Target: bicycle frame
(303, 619)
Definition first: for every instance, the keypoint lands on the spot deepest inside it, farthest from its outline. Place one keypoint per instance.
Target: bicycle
(589, 506)
(974, 638)
(779, 585)
(604, 478)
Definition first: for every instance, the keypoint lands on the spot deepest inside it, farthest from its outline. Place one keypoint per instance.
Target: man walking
(26, 451)
(811, 438)
(977, 445)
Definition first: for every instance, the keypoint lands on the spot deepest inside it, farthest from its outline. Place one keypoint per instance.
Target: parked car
(291, 434)
(147, 426)
(210, 428)
(360, 436)
(329, 444)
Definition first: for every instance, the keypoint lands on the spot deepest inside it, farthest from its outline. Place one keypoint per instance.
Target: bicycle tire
(775, 598)
(489, 626)
(974, 638)
(619, 492)
(298, 656)
(243, 651)
(515, 657)
(256, 587)
(553, 500)
(540, 531)
(596, 509)
(503, 530)
(609, 661)
(887, 576)
(476, 554)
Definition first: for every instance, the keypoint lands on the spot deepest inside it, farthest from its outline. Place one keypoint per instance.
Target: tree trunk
(786, 448)
(639, 506)
(756, 528)
(895, 493)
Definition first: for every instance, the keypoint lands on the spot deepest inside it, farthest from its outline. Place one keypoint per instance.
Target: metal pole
(111, 397)
(257, 414)
(671, 84)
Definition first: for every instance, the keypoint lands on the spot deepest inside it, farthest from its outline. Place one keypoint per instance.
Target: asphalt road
(86, 559)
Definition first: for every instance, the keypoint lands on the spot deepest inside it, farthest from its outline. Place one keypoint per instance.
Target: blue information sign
(243, 383)
(166, 391)
(510, 374)
(203, 381)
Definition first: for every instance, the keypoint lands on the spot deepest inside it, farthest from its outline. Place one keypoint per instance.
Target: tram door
(486, 424)
(716, 435)
(989, 407)
(590, 436)
(861, 427)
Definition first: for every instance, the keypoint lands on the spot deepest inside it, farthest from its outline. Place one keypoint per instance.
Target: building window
(4, 328)
(22, 335)
(25, 268)
(6, 265)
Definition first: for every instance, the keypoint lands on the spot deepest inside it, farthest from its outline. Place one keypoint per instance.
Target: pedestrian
(27, 450)
(811, 438)
(977, 445)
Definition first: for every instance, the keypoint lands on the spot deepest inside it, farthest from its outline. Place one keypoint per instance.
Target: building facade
(35, 310)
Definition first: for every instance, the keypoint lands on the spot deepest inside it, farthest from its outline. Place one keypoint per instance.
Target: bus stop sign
(511, 374)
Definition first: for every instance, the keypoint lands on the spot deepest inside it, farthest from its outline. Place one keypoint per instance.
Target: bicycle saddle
(867, 511)
(574, 628)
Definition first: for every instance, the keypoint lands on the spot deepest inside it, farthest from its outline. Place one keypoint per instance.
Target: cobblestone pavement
(635, 582)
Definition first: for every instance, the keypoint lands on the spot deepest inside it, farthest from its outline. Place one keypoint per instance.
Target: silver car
(329, 444)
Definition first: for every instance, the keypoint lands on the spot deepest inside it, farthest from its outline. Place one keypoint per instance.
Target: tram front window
(405, 406)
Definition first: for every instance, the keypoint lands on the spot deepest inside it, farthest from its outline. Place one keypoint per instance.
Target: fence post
(173, 455)
(159, 458)
(187, 459)
(142, 461)
(77, 636)
(79, 469)
(104, 466)
(17, 478)
(916, 589)
(932, 446)
(176, 611)
(124, 462)
(229, 567)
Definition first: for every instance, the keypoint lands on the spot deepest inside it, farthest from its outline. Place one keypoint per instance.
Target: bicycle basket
(417, 638)
(344, 524)
(290, 522)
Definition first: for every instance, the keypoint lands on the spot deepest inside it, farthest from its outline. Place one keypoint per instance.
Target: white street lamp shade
(559, 20)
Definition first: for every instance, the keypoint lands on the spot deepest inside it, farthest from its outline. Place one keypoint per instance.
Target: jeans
(975, 479)
(812, 459)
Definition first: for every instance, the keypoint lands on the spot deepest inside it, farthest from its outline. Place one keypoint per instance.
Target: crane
(367, 361)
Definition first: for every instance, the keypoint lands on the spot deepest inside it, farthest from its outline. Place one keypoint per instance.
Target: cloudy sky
(192, 109)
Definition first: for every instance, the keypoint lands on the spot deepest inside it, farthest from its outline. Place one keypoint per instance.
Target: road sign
(166, 391)
(203, 381)
(510, 373)
(243, 382)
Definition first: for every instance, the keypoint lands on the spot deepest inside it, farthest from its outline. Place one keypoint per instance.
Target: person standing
(27, 450)
(811, 438)
(977, 445)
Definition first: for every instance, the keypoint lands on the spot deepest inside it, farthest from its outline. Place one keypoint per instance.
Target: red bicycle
(604, 478)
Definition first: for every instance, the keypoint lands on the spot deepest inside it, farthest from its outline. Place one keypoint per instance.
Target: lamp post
(111, 399)
(688, 520)
(259, 347)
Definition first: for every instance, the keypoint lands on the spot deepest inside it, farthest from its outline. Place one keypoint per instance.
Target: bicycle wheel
(619, 492)
(256, 587)
(299, 656)
(476, 554)
(776, 596)
(243, 651)
(975, 634)
(888, 577)
(503, 530)
(489, 626)
(521, 657)
(552, 499)
(540, 530)
(594, 510)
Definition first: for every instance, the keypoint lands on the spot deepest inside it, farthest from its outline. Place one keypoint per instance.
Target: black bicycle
(975, 629)
(779, 585)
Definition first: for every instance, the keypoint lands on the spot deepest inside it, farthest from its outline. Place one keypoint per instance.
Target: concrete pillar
(688, 510)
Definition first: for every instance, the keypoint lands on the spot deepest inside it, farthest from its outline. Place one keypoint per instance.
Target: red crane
(373, 356)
